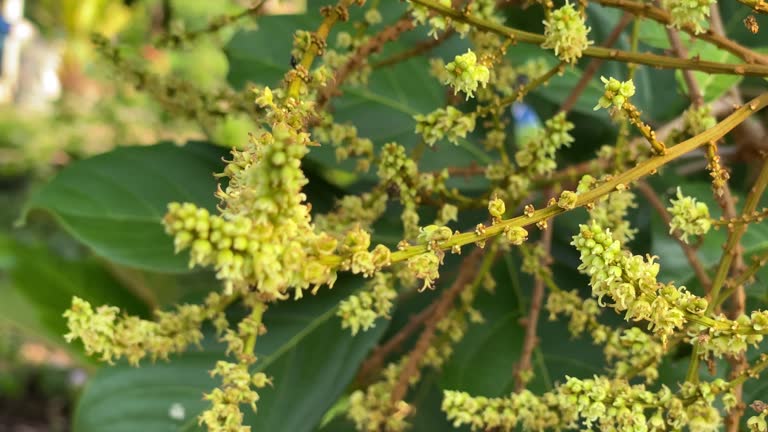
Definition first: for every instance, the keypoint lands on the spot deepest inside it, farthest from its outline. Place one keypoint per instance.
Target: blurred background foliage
(88, 163)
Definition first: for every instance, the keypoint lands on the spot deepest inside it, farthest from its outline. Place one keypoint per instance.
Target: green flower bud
(516, 235)
(567, 200)
(496, 208)
(689, 217)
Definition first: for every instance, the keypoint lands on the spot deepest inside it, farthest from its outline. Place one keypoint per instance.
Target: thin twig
(379, 355)
(660, 61)
(663, 17)
(694, 92)
(418, 49)
(360, 57)
(442, 307)
(531, 323)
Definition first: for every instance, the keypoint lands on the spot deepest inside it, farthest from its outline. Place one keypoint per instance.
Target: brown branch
(595, 64)
(531, 323)
(694, 92)
(690, 253)
(661, 16)
(442, 307)
(659, 61)
(419, 48)
(379, 355)
(360, 58)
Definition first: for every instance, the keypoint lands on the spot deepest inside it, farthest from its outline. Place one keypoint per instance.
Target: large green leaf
(310, 357)
(114, 203)
(40, 285)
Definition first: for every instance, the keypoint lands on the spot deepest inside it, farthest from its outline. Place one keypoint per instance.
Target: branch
(360, 57)
(662, 17)
(599, 52)
(442, 307)
(532, 321)
(376, 359)
(420, 48)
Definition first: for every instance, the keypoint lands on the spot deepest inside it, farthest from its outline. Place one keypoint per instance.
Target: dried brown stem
(442, 307)
(531, 323)
(690, 253)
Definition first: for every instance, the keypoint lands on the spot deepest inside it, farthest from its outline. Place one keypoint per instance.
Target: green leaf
(114, 203)
(40, 287)
(311, 359)
(483, 362)
(653, 34)
(712, 86)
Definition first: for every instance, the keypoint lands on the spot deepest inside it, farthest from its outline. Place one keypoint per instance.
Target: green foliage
(481, 295)
(305, 349)
(114, 203)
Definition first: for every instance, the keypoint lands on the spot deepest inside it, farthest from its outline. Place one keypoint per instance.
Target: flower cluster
(103, 331)
(465, 74)
(372, 409)
(537, 153)
(448, 123)
(698, 119)
(352, 211)
(598, 403)
(616, 93)
(359, 311)
(689, 217)
(582, 313)
(688, 13)
(629, 351)
(425, 266)
(238, 388)
(630, 281)
(344, 138)
(566, 33)
(611, 211)
(264, 237)
(438, 23)
(632, 351)
(400, 173)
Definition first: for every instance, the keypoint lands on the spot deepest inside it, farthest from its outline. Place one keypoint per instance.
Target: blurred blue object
(526, 122)
(5, 28)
